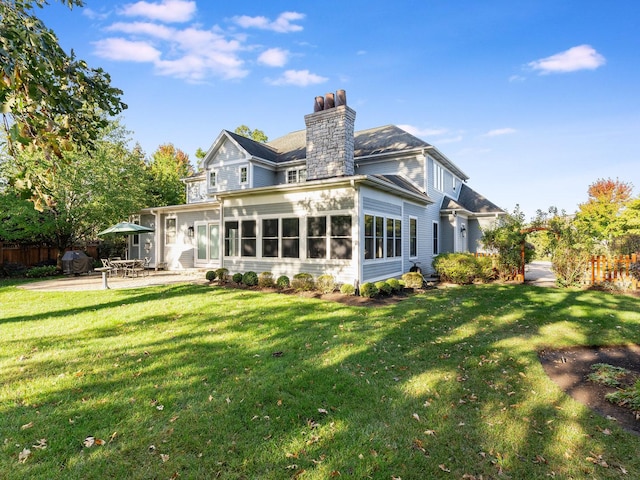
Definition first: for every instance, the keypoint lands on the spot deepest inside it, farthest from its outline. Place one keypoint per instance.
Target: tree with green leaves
(606, 200)
(51, 102)
(87, 192)
(253, 134)
(505, 239)
(166, 169)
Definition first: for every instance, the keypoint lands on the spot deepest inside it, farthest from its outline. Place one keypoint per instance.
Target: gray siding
(375, 271)
(411, 168)
(374, 205)
(424, 243)
(228, 178)
(263, 177)
(284, 208)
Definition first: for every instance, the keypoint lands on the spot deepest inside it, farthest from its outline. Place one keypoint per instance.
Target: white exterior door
(207, 247)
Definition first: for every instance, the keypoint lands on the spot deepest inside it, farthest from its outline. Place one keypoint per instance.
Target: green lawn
(191, 381)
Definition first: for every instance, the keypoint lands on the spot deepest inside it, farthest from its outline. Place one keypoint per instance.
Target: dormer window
(297, 175)
(244, 174)
(212, 178)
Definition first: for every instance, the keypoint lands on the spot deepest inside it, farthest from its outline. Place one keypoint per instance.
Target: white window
(296, 175)
(244, 174)
(438, 177)
(413, 237)
(377, 231)
(213, 178)
(170, 231)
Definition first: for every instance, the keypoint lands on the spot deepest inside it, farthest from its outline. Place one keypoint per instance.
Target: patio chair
(135, 269)
(145, 265)
(106, 266)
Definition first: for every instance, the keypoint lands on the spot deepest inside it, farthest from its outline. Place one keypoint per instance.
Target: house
(360, 205)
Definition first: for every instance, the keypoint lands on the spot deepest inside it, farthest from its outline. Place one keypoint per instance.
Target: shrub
(40, 272)
(237, 278)
(347, 289)
(283, 282)
(265, 280)
(303, 282)
(627, 397)
(460, 268)
(250, 279)
(384, 288)
(368, 290)
(326, 283)
(486, 269)
(210, 275)
(412, 280)
(395, 285)
(12, 269)
(222, 274)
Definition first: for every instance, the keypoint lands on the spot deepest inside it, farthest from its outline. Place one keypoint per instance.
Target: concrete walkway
(539, 273)
(93, 281)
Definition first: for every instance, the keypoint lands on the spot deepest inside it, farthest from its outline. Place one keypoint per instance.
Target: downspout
(156, 247)
(357, 250)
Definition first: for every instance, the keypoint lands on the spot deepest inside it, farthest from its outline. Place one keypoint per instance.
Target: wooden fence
(30, 255)
(613, 270)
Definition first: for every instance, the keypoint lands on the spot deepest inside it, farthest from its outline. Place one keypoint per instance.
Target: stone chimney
(330, 137)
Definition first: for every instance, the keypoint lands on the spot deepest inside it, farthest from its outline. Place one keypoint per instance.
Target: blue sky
(534, 100)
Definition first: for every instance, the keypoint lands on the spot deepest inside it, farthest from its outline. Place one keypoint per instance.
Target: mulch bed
(569, 368)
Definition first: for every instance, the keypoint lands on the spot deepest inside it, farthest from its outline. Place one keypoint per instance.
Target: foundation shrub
(326, 283)
(237, 278)
(222, 274)
(265, 280)
(347, 289)
(368, 290)
(250, 279)
(210, 275)
(303, 282)
(460, 268)
(412, 280)
(384, 288)
(283, 282)
(396, 286)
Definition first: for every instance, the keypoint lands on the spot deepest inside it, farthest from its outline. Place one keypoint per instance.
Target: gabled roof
(404, 183)
(471, 201)
(379, 141)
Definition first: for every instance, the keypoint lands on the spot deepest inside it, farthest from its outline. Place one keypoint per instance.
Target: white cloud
(455, 139)
(582, 57)
(274, 57)
(93, 14)
(165, 11)
(300, 78)
(126, 50)
(423, 132)
(143, 28)
(500, 131)
(282, 24)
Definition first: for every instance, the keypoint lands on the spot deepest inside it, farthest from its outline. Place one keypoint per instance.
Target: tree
(505, 238)
(257, 135)
(166, 170)
(51, 102)
(606, 200)
(626, 229)
(86, 193)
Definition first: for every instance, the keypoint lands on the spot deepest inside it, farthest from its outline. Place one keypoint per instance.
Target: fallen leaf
(429, 432)
(23, 455)
(41, 444)
(164, 457)
(416, 416)
(443, 468)
(89, 441)
(606, 431)
(26, 425)
(113, 437)
(322, 410)
(160, 407)
(99, 441)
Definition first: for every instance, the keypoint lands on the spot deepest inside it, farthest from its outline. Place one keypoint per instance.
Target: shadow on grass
(252, 385)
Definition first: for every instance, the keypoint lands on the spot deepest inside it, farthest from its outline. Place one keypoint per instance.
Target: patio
(93, 281)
